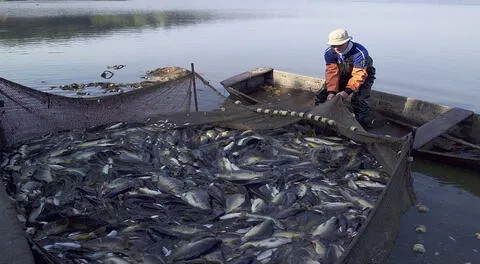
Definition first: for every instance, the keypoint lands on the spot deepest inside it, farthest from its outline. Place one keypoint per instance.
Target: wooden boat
(447, 134)
(286, 92)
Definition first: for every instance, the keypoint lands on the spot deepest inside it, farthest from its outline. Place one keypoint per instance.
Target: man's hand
(330, 96)
(343, 94)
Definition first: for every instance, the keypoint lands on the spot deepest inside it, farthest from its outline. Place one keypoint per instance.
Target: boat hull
(402, 114)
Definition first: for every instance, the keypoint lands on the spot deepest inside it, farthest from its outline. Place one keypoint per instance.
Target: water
(421, 49)
(452, 196)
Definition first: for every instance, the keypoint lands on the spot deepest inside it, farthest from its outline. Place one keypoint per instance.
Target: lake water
(421, 49)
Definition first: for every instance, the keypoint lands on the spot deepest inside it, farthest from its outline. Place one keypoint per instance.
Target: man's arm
(332, 72)
(359, 72)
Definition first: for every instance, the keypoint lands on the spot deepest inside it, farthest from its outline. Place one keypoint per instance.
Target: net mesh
(28, 113)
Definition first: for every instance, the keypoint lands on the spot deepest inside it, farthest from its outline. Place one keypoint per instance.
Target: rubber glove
(343, 94)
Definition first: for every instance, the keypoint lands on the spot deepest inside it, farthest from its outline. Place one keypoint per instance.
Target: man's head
(338, 39)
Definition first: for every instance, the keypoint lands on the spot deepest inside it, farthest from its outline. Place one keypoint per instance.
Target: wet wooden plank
(242, 95)
(245, 76)
(439, 125)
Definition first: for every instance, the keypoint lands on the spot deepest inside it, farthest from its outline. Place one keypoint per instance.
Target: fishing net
(188, 100)
(27, 113)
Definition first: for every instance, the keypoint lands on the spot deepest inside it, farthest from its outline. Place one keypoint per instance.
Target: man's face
(339, 48)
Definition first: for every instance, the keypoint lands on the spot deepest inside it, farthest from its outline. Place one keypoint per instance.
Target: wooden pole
(188, 107)
(194, 87)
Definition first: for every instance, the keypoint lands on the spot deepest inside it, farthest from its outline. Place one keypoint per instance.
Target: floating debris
(422, 208)
(419, 248)
(116, 67)
(420, 229)
(106, 74)
(153, 77)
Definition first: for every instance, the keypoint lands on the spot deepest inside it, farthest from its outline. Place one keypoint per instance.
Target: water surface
(415, 44)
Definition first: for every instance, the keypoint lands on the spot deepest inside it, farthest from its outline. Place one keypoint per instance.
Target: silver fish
(326, 229)
(369, 184)
(194, 249)
(197, 198)
(169, 184)
(356, 200)
(240, 175)
(334, 253)
(96, 143)
(320, 141)
(334, 206)
(260, 231)
(234, 201)
(320, 249)
(244, 141)
(272, 242)
(258, 205)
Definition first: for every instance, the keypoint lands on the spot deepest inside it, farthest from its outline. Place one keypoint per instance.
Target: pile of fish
(201, 194)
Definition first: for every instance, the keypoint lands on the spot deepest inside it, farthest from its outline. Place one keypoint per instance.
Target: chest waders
(361, 98)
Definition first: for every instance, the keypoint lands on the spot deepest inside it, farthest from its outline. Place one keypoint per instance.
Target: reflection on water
(461, 178)
(18, 30)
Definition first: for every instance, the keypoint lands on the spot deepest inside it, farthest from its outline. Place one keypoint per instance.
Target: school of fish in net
(202, 194)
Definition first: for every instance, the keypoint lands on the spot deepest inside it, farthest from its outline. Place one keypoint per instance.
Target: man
(350, 71)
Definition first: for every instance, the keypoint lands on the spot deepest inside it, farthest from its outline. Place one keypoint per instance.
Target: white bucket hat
(338, 37)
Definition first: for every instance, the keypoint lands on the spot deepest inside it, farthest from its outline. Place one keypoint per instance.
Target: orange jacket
(347, 71)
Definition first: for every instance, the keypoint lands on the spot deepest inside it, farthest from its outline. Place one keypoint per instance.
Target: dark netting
(377, 236)
(29, 113)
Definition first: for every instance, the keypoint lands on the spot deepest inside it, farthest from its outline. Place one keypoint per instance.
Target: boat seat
(439, 125)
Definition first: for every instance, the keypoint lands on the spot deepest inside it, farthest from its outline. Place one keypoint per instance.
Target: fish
(363, 203)
(265, 255)
(371, 173)
(197, 198)
(321, 141)
(194, 249)
(271, 242)
(234, 201)
(258, 205)
(320, 249)
(288, 234)
(326, 229)
(246, 140)
(240, 175)
(169, 184)
(260, 231)
(229, 146)
(370, 184)
(96, 143)
(334, 253)
(334, 206)
(227, 165)
(115, 126)
(277, 223)
(162, 193)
